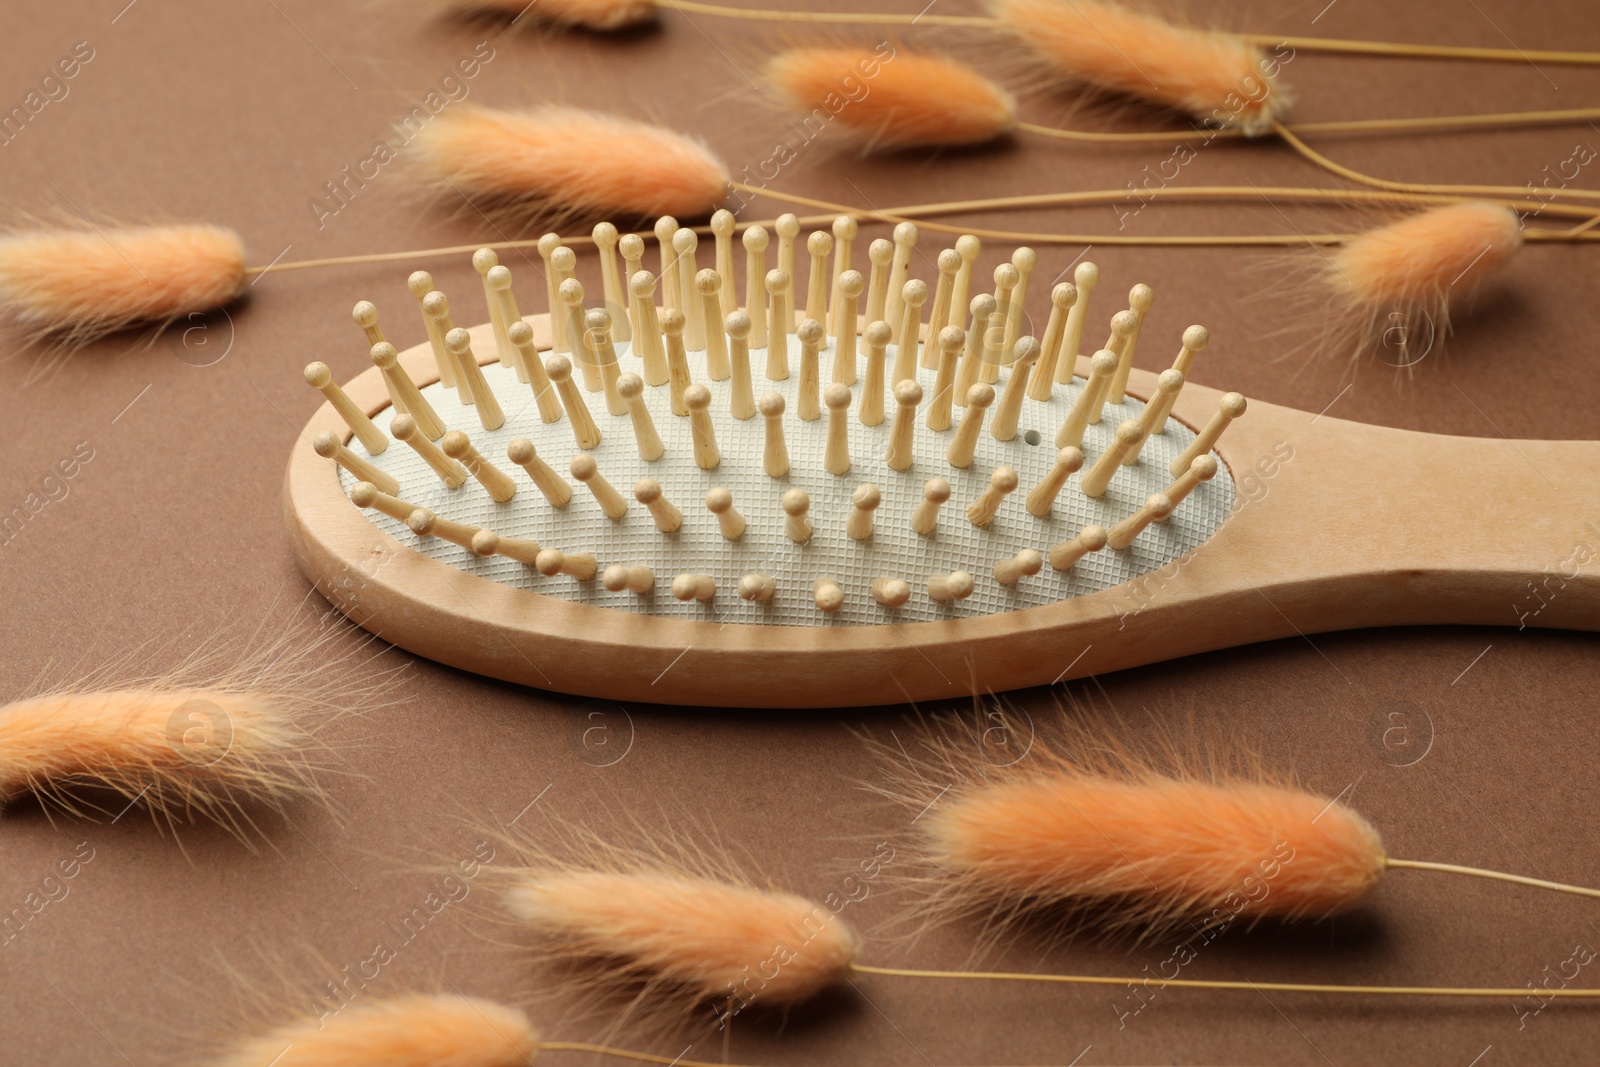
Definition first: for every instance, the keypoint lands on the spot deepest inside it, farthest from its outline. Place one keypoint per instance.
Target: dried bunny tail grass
(565, 163)
(601, 16)
(1214, 77)
(223, 736)
(74, 286)
(907, 100)
(411, 1030)
(676, 926)
(1405, 276)
(1084, 830)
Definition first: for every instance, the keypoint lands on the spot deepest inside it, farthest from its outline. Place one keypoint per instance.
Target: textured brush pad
(894, 551)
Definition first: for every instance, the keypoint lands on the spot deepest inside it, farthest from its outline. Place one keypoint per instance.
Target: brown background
(237, 113)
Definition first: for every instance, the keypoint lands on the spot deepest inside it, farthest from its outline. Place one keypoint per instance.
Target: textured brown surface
(171, 533)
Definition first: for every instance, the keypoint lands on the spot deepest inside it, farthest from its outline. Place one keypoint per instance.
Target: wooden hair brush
(709, 517)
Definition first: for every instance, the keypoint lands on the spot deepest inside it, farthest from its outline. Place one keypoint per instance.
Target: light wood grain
(1458, 551)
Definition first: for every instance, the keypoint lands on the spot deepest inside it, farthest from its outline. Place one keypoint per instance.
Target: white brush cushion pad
(894, 550)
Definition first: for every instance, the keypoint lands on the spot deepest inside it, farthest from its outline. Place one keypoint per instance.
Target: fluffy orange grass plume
(1084, 829)
(675, 924)
(411, 1030)
(225, 736)
(598, 15)
(77, 285)
(1214, 77)
(911, 101)
(564, 162)
(1417, 267)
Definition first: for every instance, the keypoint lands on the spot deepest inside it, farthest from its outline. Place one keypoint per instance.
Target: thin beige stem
(1309, 44)
(1412, 187)
(1200, 983)
(1210, 193)
(1497, 876)
(1427, 51)
(1126, 240)
(1502, 119)
(1001, 203)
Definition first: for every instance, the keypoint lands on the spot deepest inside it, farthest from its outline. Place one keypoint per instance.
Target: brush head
(413, 1030)
(563, 162)
(1217, 78)
(76, 286)
(910, 101)
(702, 937)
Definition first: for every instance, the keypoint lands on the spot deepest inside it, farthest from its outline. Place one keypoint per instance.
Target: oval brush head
(1417, 266)
(414, 1030)
(78, 285)
(565, 162)
(911, 101)
(597, 15)
(1213, 77)
(703, 937)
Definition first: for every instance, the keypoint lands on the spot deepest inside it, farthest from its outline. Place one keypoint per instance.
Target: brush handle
(1371, 526)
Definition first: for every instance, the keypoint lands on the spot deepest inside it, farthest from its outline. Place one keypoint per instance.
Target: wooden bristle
(664, 512)
(470, 376)
(907, 395)
(579, 565)
(1229, 408)
(585, 469)
(925, 519)
(320, 377)
(495, 482)
(720, 503)
(701, 587)
(635, 579)
(1024, 564)
(1156, 507)
(451, 473)
(630, 387)
(367, 495)
(1085, 277)
(863, 502)
(957, 585)
(584, 430)
(1002, 481)
(554, 488)
(329, 446)
(1129, 436)
(797, 524)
